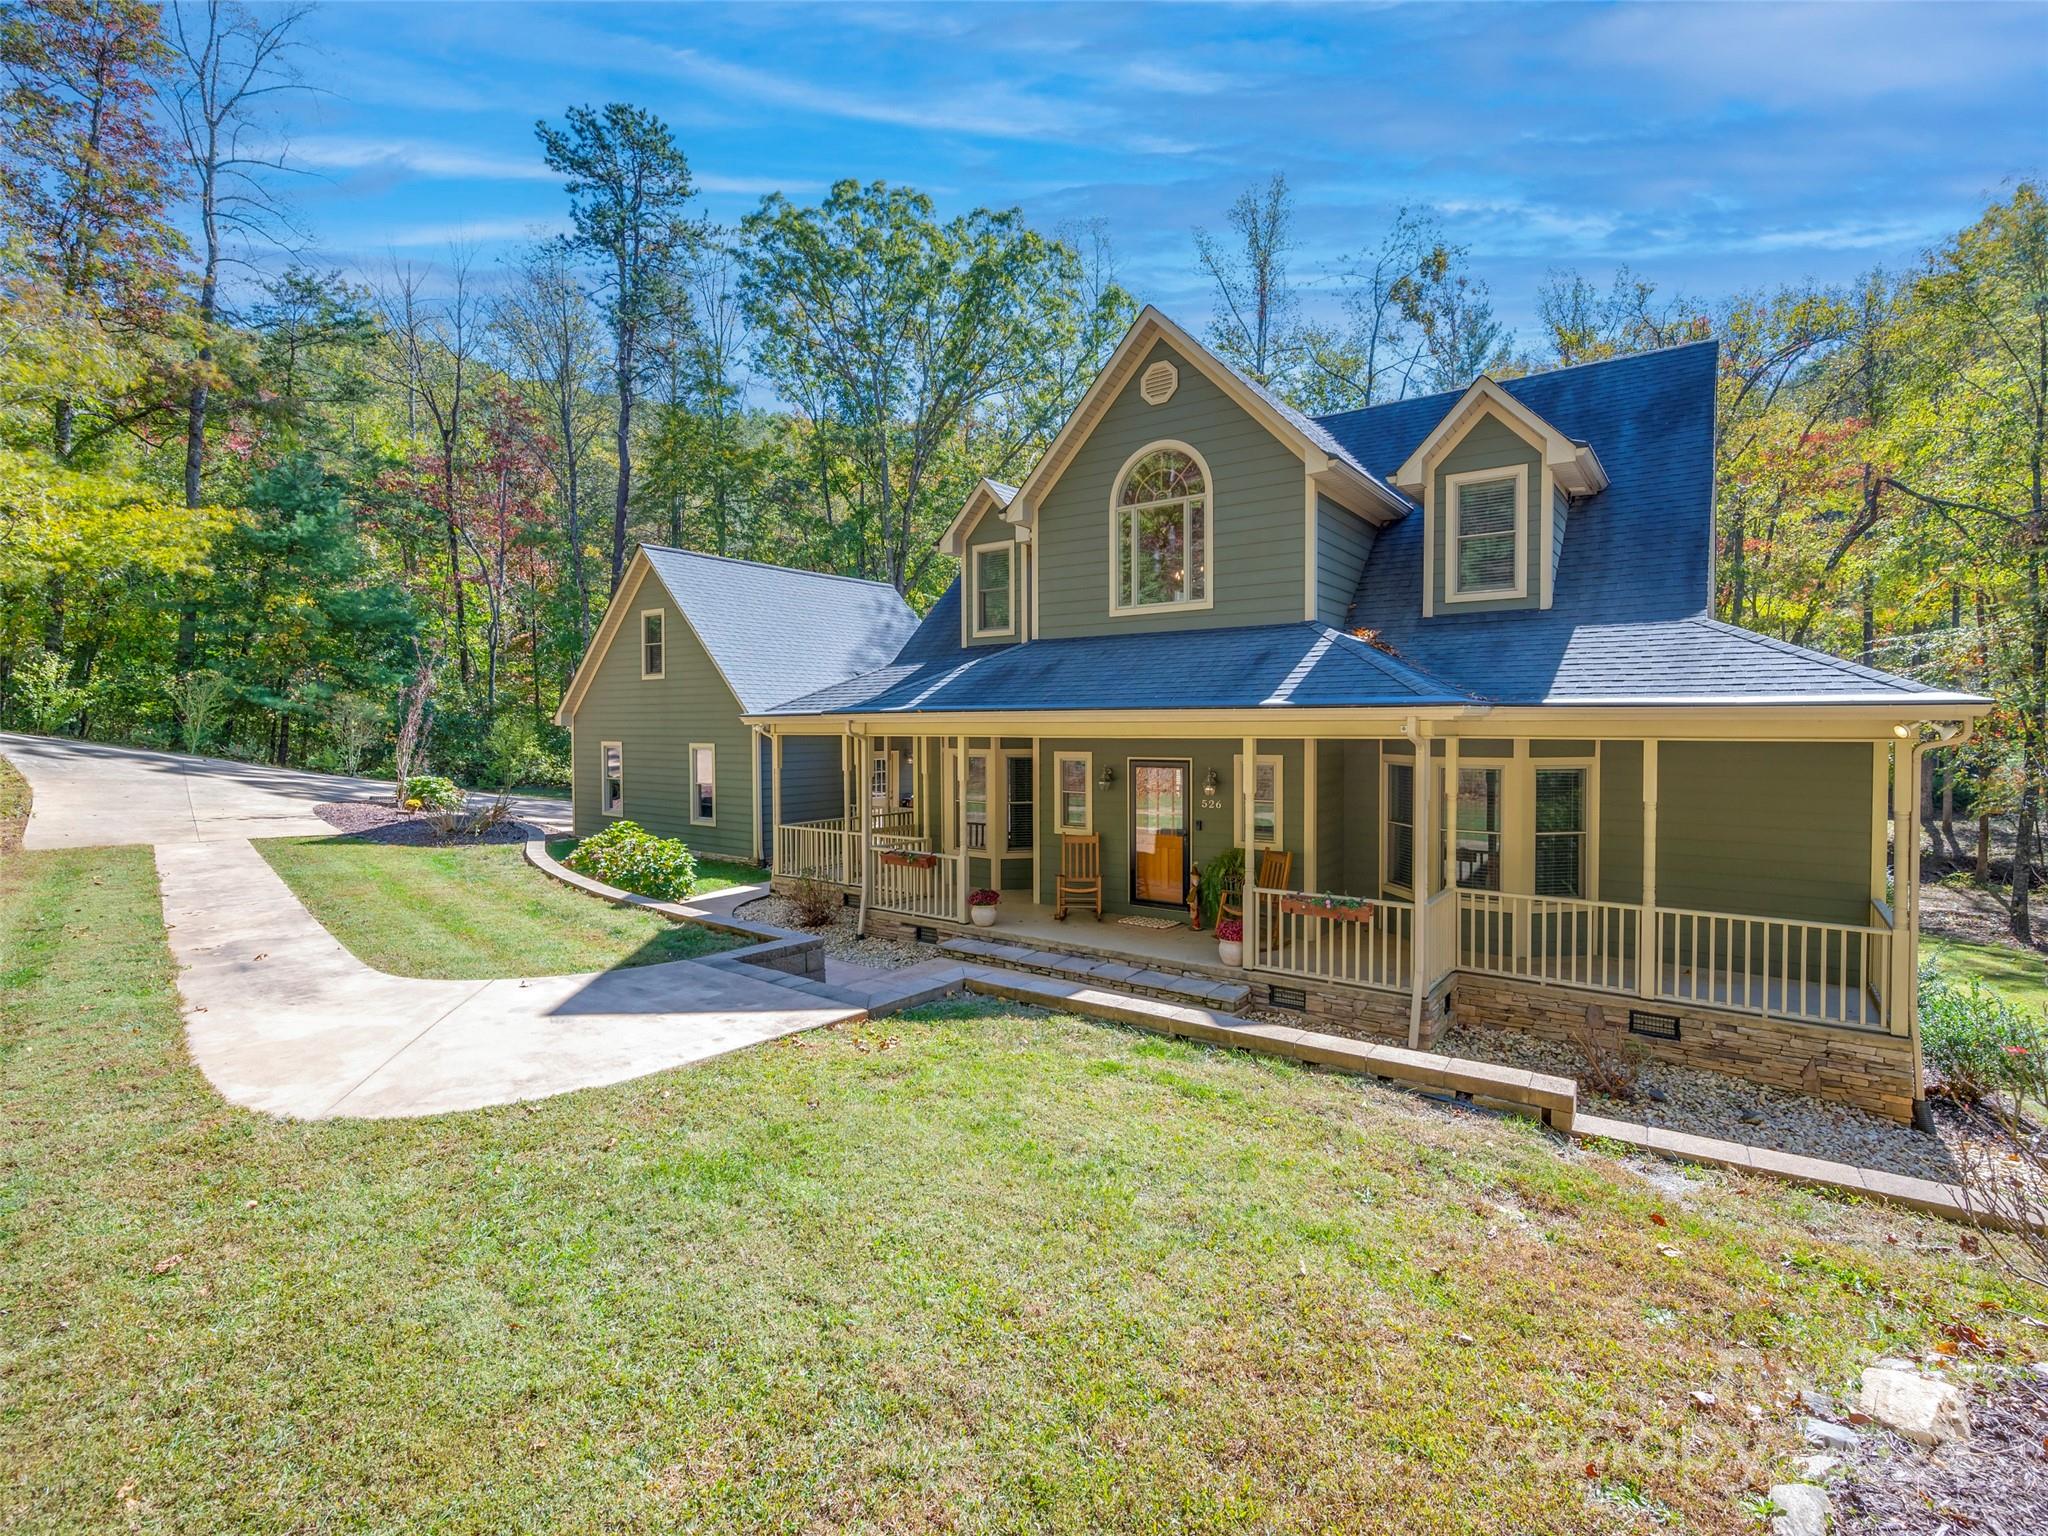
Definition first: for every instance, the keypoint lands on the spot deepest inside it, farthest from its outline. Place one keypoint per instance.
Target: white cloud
(343, 152)
(470, 232)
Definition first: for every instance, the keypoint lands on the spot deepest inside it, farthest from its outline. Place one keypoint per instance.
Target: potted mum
(1230, 940)
(981, 906)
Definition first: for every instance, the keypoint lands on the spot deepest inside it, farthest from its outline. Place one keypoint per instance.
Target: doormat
(1150, 922)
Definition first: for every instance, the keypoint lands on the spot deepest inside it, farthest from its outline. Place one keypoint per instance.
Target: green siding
(1489, 443)
(990, 529)
(1256, 558)
(1773, 829)
(1331, 872)
(1621, 821)
(1343, 540)
(654, 721)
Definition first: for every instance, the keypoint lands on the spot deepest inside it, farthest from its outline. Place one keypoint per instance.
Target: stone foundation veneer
(1871, 1070)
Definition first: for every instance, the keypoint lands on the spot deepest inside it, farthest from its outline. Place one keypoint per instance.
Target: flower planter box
(1342, 912)
(911, 860)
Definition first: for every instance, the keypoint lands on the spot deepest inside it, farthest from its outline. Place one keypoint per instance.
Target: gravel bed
(1713, 1104)
(841, 942)
(369, 821)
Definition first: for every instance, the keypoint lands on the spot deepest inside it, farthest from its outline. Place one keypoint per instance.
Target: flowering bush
(984, 898)
(627, 855)
(1230, 930)
(431, 792)
(1977, 1041)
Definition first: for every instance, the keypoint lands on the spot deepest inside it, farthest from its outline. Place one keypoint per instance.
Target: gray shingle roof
(775, 632)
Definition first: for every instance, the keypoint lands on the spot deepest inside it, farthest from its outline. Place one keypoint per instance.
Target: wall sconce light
(1108, 776)
(1209, 782)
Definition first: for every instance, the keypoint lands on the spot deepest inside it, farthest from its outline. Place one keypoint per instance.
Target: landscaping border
(778, 949)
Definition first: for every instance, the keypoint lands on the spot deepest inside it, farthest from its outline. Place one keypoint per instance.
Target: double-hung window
(1487, 516)
(703, 783)
(1265, 802)
(977, 800)
(612, 790)
(652, 625)
(1398, 836)
(994, 589)
(1561, 821)
(1159, 533)
(1073, 800)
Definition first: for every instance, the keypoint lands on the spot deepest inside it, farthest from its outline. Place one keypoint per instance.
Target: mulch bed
(370, 821)
(1996, 1482)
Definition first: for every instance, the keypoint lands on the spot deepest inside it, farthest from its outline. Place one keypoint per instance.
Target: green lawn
(713, 875)
(14, 805)
(959, 1271)
(2018, 976)
(470, 911)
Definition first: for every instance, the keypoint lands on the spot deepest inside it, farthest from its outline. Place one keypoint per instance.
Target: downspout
(1906, 878)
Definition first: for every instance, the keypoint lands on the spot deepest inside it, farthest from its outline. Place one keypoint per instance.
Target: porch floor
(1032, 923)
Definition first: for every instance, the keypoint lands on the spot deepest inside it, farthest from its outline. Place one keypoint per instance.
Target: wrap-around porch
(1747, 877)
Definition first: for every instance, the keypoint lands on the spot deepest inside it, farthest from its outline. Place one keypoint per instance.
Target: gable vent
(1157, 384)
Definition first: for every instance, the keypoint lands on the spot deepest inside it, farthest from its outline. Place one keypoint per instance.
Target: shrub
(984, 898)
(431, 792)
(1226, 869)
(625, 854)
(519, 755)
(1978, 1042)
(815, 902)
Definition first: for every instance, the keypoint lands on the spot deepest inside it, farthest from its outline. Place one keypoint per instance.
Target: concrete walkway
(89, 795)
(282, 1019)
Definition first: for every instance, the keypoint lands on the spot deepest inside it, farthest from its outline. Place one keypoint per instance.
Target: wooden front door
(1159, 833)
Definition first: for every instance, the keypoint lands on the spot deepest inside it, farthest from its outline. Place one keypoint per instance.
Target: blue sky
(1709, 147)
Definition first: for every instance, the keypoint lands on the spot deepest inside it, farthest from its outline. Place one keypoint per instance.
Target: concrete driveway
(281, 1018)
(88, 794)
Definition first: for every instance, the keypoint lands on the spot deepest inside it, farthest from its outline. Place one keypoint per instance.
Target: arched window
(1159, 531)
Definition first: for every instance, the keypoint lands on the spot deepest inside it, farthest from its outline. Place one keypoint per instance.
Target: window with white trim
(1266, 806)
(703, 783)
(1073, 792)
(1487, 519)
(994, 583)
(612, 790)
(652, 624)
(1159, 533)
(1561, 822)
(1397, 839)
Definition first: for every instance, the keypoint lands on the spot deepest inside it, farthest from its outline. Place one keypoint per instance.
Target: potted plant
(1230, 940)
(981, 906)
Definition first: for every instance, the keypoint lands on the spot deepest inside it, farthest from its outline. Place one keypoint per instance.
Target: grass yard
(470, 911)
(713, 875)
(14, 805)
(963, 1271)
(2019, 977)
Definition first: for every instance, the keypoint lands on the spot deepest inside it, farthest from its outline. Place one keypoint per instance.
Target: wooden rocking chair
(1080, 874)
(1276, 873)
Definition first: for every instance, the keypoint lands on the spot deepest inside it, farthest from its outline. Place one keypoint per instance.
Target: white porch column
(847, 825)
(1310, 825)
(1650, 947)
(1248, 798)
(1447, 871)
(960, 827)
(774, 797)
(1037, 823)
(1421, 878)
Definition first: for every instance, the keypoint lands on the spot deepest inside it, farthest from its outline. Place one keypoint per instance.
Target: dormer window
(1485, 526)
(1159, 531)
(994, 590)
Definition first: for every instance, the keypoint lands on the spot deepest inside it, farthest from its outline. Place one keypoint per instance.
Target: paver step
(1197, 991)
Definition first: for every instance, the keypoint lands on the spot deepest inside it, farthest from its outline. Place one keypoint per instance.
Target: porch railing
(1573, 943)
(893, 821)
(927, 887)
(1363, 945)
(817, 850)
(1818, 973)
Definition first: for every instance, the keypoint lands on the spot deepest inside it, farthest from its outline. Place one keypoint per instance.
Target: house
(688, 648)
(1449, 661)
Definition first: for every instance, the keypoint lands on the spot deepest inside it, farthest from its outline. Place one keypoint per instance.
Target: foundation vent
(1295, 998)
(1653, 1026)
(924, 935)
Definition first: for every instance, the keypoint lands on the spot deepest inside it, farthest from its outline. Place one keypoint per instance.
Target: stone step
(1100, 970)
